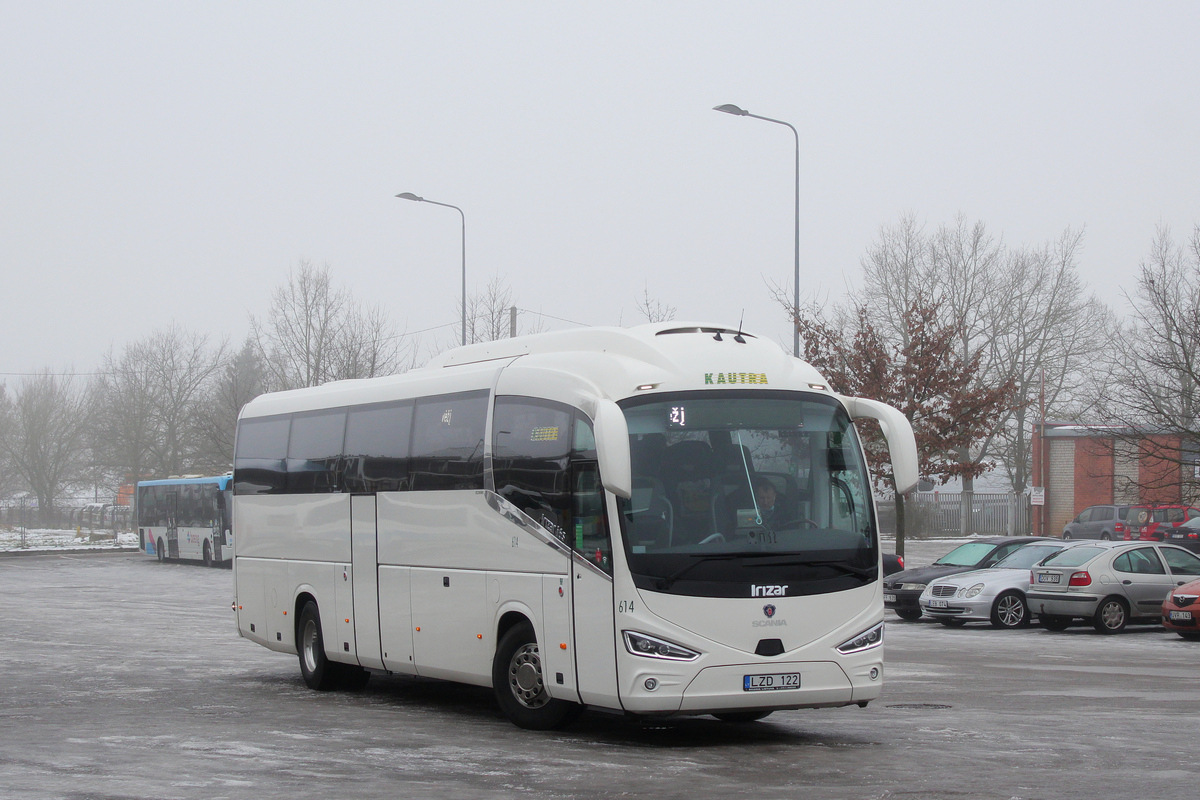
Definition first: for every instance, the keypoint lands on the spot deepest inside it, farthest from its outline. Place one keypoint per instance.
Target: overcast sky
(168, 162)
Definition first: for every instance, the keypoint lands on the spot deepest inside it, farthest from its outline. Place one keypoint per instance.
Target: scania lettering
(574, 519)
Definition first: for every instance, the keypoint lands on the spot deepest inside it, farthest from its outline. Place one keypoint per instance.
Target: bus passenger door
(592, 590)
(364, 556)
(172, 543)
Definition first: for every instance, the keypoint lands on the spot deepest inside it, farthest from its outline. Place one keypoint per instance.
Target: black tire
(162, 556)
(208, 562)
(318, 671)
(1010, 610)
(952, 622)
(910, 614)
(743, 716)
(1053, 622)
(1066, 534)
(1191, 636)
(520, 687)
(1104, 537)
(1112, 615)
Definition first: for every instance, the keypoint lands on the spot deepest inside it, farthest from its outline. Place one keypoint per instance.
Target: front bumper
(906, 599)
(1063, 605)
(975, 608)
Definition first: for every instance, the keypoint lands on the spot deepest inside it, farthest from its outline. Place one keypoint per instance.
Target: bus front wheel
(162, 554)
(318, 671)
(520, 687)
(208, 562)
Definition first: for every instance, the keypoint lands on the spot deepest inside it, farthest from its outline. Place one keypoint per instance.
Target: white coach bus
(666, 519)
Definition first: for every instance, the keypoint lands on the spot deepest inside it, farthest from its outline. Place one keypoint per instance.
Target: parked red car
(1181, 611)
(1151, 523)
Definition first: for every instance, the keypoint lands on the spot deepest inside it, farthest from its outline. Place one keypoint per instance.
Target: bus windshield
(743, 489)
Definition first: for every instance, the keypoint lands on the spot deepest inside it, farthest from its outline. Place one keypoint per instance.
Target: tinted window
(377, 448)
(1181, 562)
(315, 450)
(1073, 557)
(1143, 561)
(1101, 513)
(259, 463)
(1026, 557)
(530, 458)
(966, 555)
(447, 442)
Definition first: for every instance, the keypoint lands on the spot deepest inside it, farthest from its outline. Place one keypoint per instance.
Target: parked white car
(995, 595)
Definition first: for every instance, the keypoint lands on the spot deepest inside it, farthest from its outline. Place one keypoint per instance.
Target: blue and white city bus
(186, 518)
(666, 519)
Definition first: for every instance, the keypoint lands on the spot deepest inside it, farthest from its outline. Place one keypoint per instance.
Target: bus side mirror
(902, 445)
(612, 449)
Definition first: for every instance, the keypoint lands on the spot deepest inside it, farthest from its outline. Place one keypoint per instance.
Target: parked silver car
(1109, 585)
(995, 595)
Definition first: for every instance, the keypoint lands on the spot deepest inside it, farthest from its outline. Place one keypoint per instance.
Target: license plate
(889, 598)
(1181, 616)
(1176, 535)
(937, 603)
(1049, 577)
(767, 683)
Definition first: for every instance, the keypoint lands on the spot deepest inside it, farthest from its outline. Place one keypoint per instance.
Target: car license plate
(1176, 535)
(1049, 577)
(1181, 616)
(767, 683)
(889, 598)
(937, 603)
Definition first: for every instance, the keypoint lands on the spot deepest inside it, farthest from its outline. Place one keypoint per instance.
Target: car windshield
(1025, 557)
(966, 555)
(1073, 557)
(740, 488)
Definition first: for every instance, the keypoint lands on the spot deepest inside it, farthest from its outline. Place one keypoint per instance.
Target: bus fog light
(872, 637)
(874, 673)
(651, 684)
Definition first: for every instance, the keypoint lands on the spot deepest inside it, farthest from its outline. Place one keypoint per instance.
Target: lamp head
(730, 108)
(410, 196)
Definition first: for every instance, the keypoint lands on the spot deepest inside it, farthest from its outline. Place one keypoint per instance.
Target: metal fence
(934, 514)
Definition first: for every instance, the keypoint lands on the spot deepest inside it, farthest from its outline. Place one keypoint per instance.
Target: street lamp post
(411, 196)
(729, 108)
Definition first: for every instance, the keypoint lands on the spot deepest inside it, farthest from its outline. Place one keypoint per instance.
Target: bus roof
(222, 481)
(611, 363)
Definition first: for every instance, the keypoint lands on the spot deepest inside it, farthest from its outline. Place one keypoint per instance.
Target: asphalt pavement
(124, 678)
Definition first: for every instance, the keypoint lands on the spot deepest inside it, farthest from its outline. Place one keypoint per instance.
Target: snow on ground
(42, 539)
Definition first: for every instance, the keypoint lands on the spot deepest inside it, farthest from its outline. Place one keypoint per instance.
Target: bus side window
(589, 521)
(314, 451)
(259, 461)
(376, 452)
(531, 453)
(447, 442)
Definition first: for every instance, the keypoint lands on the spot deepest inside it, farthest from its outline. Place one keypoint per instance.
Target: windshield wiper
(668, 581)
(844, 566)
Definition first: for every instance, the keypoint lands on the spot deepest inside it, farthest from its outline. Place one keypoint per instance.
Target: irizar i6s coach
(667, 519)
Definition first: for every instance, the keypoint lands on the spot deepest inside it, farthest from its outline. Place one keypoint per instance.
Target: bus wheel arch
(519, 683)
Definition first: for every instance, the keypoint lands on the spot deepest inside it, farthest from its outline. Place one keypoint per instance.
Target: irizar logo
(768, 591)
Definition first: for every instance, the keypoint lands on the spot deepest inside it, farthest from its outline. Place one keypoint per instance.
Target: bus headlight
(872, 637)
(652, 647)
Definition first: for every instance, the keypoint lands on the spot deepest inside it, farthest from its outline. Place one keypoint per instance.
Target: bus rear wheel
(208, 562)
(317, 670)
(520, 686)
(162, 555)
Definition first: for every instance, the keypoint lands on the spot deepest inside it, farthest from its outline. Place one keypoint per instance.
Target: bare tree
(144, 403)
(490, 314)
(1156, 368)
(653, 309)
(315, 333)
(239, 380)
(44, 439)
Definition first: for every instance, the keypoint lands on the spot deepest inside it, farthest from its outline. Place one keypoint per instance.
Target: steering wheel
(802, 522)
(715, 537)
